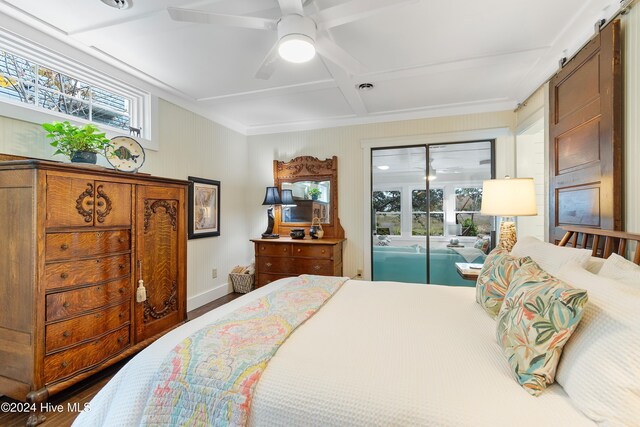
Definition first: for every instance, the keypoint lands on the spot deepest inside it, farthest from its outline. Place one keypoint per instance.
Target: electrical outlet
(214, 273)
(359, 273)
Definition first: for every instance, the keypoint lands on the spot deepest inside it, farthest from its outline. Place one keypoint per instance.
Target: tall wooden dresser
(75, 242)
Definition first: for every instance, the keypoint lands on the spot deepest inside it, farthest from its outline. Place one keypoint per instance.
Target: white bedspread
(378, 353)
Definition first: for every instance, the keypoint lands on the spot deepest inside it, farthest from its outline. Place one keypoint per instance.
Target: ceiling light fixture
(297, 38)
(118, 4)
(296, 48)
(383, 167)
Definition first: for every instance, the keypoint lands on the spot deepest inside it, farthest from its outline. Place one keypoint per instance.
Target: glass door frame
(492, 142)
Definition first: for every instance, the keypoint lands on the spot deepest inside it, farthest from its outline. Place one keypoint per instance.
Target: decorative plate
(127, 155)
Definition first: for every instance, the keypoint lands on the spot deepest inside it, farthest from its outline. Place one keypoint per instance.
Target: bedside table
(466, 272)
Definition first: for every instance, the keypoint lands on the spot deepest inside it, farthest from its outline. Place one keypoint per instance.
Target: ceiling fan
(300, 36)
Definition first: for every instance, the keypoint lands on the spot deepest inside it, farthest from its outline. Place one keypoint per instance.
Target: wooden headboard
(601, 242)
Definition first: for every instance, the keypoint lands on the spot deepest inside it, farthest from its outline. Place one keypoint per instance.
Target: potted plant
(314, 193)
(79, 144)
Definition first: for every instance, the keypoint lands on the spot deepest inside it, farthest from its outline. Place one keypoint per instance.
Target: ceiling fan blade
(269, 63)
(353, 11)
(339, 56)
(290, 6)
(203, 17)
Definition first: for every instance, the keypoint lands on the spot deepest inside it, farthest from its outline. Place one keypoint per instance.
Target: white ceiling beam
(448, 66)
(270, 92)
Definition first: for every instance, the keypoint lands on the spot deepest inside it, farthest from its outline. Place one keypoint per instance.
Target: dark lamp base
(270, 236)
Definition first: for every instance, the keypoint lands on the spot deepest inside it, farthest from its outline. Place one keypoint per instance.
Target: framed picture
(204, 208)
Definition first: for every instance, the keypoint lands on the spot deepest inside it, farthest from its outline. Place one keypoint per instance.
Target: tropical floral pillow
(494, 278)
(539, 314)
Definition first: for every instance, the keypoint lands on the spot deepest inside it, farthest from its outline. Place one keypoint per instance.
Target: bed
(376, 353)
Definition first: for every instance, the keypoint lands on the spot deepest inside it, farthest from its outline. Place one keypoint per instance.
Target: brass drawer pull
(284, 249)
(121, 315)
(98, 261)
(268, 265)
(317, 267)
(66, 334)
(64, 246)
(64, 364)
(120, 240)
(120, 340)
(262, 248)
(299, 250)
(121, 266)
(64, 275)
(98, 315)
(121, 290)
(66, 304)
(323, 251)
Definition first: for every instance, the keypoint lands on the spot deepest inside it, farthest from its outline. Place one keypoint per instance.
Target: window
(467, 210)
(419, 212)
(387, 208)
(47, 89)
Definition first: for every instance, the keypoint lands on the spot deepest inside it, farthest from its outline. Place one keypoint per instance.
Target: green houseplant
(314, 193)
(79, 144)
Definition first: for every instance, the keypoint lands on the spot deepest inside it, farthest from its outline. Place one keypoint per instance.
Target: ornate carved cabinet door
(161, 259)
(113, 204)
(70, 201)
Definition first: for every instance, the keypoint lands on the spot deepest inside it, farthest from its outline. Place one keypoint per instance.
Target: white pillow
(600, 364)
(594, 265)
(548, 256)
(621, 269)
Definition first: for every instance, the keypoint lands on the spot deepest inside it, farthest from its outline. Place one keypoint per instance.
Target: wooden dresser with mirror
(77, 240)
(287, 257)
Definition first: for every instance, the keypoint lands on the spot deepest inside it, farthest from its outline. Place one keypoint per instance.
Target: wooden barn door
(586, 138)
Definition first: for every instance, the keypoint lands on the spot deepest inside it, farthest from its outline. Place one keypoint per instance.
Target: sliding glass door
(426, 211)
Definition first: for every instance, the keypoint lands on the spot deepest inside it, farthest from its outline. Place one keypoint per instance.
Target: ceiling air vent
(365, 87)
(118, 4)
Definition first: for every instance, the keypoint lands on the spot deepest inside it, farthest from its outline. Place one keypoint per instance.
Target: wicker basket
(242, 283)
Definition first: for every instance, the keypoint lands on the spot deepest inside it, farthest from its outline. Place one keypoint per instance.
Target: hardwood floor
(84, 391)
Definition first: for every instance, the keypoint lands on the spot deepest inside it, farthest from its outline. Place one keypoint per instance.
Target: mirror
(312, 199)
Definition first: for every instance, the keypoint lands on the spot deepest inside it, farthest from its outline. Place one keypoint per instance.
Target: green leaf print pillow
(538, 315)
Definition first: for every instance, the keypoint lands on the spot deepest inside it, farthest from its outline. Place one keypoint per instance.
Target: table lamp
(271, 198)
(508, 198)
(287, 203)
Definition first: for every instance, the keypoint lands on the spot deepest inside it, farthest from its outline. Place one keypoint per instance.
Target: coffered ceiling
(424, 57)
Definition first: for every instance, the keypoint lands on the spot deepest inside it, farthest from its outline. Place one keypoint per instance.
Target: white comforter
(378, 353)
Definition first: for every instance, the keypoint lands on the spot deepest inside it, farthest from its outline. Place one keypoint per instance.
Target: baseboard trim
(208, 296)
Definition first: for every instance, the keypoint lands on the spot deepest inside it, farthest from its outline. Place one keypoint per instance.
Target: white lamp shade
(509, 197)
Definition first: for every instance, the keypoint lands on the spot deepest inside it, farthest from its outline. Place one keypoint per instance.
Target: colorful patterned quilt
(208, 379)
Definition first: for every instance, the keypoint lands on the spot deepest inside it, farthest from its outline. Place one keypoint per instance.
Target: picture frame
(204, 208)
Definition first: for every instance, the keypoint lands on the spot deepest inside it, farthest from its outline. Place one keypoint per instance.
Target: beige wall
(190, 146)
(345, 142)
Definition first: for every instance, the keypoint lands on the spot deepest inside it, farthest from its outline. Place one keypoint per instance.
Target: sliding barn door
(586, 138)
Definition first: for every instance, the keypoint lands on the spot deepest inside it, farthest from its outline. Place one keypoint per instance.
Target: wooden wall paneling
(586, 138)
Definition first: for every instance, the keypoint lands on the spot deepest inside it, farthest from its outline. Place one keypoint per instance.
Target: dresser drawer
(85, 272)
(69, 303)
(265, 279)
(312, 251)
(70, 245)
(312, 266)
(66, 363)
(274, 265)
(273, 249)
(69, 332)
